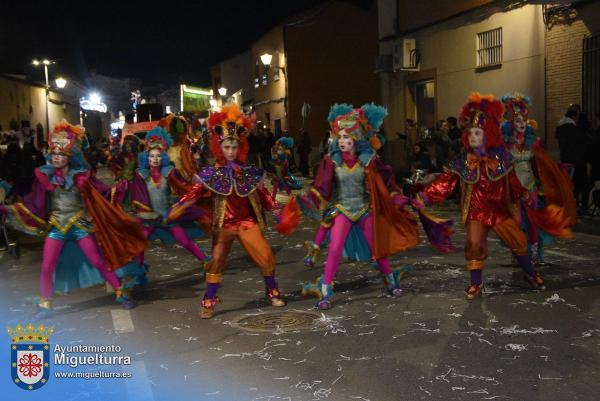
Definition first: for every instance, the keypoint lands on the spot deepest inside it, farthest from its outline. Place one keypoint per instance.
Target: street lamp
(61, 82)
(95, 98)
(223, 91)
(266, 59)
(45, 62)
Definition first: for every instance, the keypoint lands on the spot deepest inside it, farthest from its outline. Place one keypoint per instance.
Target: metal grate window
(489, 47)
(591, 74)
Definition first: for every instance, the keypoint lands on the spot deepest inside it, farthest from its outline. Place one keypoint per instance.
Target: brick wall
(564, 45)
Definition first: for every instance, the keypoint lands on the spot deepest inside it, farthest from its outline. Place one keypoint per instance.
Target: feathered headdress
(286, 141)
(67, 137)
(518, 105)
(135, 141)
(230, 123)
(515, 105)
(361, 123)
(158, 138)
(485, 112)
(176, 126)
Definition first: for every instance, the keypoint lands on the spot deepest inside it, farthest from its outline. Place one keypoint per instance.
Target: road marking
(565, 255)
(122, 321)
(138, 386)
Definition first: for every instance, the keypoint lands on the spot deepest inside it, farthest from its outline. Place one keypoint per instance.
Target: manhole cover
(283, 321)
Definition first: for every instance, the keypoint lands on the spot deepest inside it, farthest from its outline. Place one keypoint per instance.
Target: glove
(399, 200)
(417, 203)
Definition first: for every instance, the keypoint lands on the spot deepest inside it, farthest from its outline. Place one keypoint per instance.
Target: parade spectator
(324, 144)
(572, 143)
(29, 159)
(441, 144)
(455, 134)
(593, 156)
(420, 159)
(253, 148)
(10, 163)
(268, 144)
(304, 148)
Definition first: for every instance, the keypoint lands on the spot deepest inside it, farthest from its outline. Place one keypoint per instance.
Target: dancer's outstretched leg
(89, 247)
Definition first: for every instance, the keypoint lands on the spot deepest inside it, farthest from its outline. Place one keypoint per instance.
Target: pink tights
(321, 233)
(51, 252)
(181, 237)
(339, 232)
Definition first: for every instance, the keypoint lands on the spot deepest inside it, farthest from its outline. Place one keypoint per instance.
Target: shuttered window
(489, 47)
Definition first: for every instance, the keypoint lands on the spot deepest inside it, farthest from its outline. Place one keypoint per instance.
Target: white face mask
(519, 125)
(154, 158)
(230, 149)
(345, 142)
(475, 137)
(59, 160)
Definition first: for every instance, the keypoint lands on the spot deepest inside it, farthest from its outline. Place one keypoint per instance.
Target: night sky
(168, 42)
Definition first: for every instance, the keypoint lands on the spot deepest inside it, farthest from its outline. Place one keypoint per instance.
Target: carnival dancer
(240, 200)
(546, 182)
(282, 176)
(489, 191)
(68, 206)
(313, 248)
(153, 192)
(124, 165)
(368, 206)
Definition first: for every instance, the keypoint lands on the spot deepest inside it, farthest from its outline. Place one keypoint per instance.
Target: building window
(275, 64)
(489, 48)
(256, 75)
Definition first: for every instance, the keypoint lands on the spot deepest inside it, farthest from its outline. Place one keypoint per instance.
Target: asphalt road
(431, 344)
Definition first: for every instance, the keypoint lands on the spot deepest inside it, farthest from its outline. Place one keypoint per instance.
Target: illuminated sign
(195, 99)
(88, 105)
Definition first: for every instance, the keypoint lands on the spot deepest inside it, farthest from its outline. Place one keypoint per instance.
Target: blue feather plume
(375, 114)
(339, 109)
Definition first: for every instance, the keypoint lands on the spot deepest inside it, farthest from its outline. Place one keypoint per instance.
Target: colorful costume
(546, 182)
(125, 164)
(68, 206)
(489, 190)
(283, 177)
(239, 201)
(153, 191)
(366, 201)
(352, 252)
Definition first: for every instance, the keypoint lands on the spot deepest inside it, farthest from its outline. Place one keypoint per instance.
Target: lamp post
(45, 62)
(222, 92)
(266, 59)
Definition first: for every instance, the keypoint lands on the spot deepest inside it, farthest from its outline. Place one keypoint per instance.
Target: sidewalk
(588, 225)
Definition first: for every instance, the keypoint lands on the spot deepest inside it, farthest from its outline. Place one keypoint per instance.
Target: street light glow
(36, 62)
(46, 61)
(222, 91)
(266, 58)
(61, 82)
(95, 98)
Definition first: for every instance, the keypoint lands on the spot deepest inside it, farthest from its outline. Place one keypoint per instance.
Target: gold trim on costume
(214, 278)
(141, 206)
(467, 190)
(258, 211)
(322, 200)
(474, 264)
(353, 217)
(351, 169)
(72, 221)
(28, 212)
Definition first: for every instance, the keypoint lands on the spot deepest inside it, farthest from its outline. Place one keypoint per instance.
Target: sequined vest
(352, 198)
(159, 195)
(66, 208)
(523, 167)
